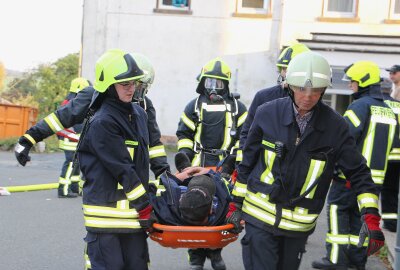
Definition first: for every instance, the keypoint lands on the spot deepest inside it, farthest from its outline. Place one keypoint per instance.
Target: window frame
(392, 15)
(161, 8)
(253, 12)
(339, 14)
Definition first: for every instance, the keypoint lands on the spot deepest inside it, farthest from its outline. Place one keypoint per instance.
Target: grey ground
(39, 231)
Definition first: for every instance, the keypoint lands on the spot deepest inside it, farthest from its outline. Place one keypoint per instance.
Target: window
(173, 6)
(257, 8)
(340, 8)
(394, 10)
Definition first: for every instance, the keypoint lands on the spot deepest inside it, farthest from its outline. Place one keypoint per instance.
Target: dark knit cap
(204, 181)
(195, 205)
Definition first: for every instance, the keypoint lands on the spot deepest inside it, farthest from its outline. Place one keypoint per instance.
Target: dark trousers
(389, 195)
(199, 255)
(264, 250)
(344, 224)
(68, 158)
(117, 251)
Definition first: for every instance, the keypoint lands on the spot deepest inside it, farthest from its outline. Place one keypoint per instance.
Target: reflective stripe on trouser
(389, 194)
(264, 250)
(344, 226)
(65, 177)
(117, 251)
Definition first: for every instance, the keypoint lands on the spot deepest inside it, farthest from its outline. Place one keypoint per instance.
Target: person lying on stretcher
(194, 197)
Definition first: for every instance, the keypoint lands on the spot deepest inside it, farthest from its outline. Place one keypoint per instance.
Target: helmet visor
(141, 91)
(307, 90)
(214, 84)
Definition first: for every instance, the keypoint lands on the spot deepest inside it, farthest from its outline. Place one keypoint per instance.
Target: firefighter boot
(324, 263)
(217, 262)
(75, 187)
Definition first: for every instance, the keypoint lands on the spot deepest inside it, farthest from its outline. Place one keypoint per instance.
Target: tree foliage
(46, 86)
(2, 75)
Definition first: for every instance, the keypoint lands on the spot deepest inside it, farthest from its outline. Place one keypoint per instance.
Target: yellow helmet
(217, 69)
(289, 53)
(115, 66)
(78, 84)
(365, 73)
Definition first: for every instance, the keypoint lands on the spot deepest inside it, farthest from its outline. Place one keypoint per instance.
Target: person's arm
(186, 130)
(240, 120)
(158, 156)
(356, 116)
(251, 153)
(108, 145)
(66, 116)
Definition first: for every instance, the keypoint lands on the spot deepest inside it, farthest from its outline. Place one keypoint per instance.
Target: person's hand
(370, 228)
(191, 171)
(22, 149)
(145, 217)
(234, 217)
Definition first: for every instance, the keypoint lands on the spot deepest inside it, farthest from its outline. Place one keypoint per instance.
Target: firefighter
(69, 179)
(114, 160)
(280, 90)
(288, 163)
(208, 131)
(390, 186)
(372, 125)
(78, 108)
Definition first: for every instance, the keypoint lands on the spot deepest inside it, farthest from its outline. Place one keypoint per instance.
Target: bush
(8, 143)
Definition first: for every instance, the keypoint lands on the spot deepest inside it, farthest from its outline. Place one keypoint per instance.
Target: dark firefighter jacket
(262, 96)
(394, 104)
(75, 112)
(114, 159)
(65, 143)
(166, 206)
(269, 186)
(373, 125)
(207, 132)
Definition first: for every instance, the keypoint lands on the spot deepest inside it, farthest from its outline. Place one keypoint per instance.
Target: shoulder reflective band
(242, 118)
(189, 123)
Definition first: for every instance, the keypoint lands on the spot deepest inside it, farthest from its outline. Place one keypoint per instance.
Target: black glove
(22, 149)
(234, 216)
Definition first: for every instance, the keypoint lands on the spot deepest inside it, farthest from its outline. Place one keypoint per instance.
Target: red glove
(145, 212)
(234, 216)
(370, 228)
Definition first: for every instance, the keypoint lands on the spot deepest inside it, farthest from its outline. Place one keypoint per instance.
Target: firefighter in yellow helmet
(268, 94)
(208, 132)
(114, 159)
(372, 125)
(68, 140)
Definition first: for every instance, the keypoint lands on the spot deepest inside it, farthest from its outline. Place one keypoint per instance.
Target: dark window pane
(167, 2)
(397, 6)
(340, 5)
(253, 3)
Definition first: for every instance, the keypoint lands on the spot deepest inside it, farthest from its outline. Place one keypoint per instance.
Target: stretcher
(193, 236)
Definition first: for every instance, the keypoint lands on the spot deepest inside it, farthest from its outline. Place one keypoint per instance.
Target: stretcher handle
(173, 228)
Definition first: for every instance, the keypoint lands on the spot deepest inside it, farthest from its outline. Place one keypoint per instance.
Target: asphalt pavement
(39, 231)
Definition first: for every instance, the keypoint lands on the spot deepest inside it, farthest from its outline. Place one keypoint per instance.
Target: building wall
(179, 45)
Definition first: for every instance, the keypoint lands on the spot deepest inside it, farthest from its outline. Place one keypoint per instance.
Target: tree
(48, 85)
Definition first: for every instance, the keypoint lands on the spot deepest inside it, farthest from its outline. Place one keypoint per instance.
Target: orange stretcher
(193, 236)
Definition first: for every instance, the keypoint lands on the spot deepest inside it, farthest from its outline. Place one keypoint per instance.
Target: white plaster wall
(179, 45)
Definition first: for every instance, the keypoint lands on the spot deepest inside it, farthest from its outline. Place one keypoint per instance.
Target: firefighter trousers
(344, 224)
(117, 251)
(264, 250)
